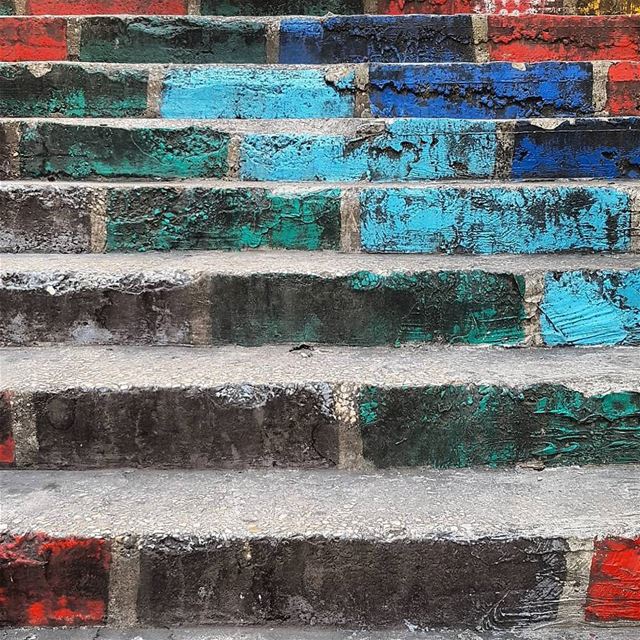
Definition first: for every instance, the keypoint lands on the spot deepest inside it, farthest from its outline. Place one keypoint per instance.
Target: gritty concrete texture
(454, 505)
(590, 371)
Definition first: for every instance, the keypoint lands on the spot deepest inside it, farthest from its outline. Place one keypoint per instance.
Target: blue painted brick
(588, 148)
(404, 150)
(493, 90)
(495, 220)
(591, 308)
(377, 39)
(257, 92)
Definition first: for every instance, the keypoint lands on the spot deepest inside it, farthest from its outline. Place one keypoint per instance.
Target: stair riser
(461, 307)
(341, 39)
(314, 580)
(495, 90)
(317, 425)
(378, 151)
(314, 7)
(540, 219)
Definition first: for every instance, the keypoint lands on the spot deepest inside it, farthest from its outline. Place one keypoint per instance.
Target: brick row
(75, 218)
(231, 542)
(70, 408)
(310, 150)
(308, 40)
(262, 298)
(448, 90)
(320, 7)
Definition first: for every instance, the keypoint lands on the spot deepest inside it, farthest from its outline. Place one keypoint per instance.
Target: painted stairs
(320, 313)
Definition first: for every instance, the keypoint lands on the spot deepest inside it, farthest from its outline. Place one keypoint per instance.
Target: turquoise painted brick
(401, 150)
(489, 220)
(591, 308)
(255, 92)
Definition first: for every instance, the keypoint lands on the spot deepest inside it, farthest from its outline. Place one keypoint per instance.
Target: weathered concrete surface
(281, 297)
(298, 540)
(71, 90)
(237, 408)
(376, 39)
(177, 40)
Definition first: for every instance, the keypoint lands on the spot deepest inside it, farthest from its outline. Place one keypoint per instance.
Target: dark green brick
(6, 8)
(280, 7)
(54, 150)
(368, 309)
(188, 40)
(465, 425)
(71, 91)
(235, 218)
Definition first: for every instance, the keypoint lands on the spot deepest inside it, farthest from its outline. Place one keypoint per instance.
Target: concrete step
(78, 217)
(558, 632)
(313, 7)
(448, 90)
(259, 298)
(470, 549)
(353, 408)
(314, 40)
(348, 150)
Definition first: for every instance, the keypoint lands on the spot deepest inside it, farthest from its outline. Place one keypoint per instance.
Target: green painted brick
(161, 219)
(280, 7)
(188, 40)
(461, 426)
(71, 91)
(369, 309)
(6, 8)
(55, 150)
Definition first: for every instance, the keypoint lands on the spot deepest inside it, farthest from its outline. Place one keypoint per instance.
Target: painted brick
(404, 7)
(46, 219)
(376, 39)
(7, 443)
(402, 150)
(32, 39)
(71, 151)
(495, 220)
(368, 309)
(71, 91)
(250, 92)
(352, 582)
(161, 219)
(6, 8)
(53, 582)
(564, 38)
(607, 7)
(614, 586)
(494, 90)
(172, 40)
(466, 425)
(103, 7)
(623, 89)
(591, 308)
(280, 7)
(577, 149)
(224, 427)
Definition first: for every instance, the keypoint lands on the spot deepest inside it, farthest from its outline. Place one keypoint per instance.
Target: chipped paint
(30, 39)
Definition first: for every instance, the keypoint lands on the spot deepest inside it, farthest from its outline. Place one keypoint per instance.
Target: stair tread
(590, 371)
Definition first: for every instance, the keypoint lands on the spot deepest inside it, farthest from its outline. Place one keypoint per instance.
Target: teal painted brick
(250, 92)
(87, 152)
(495, 220)
(404, 150)
(6, 8)
(160, 219)
(591, 308)
(280, 7)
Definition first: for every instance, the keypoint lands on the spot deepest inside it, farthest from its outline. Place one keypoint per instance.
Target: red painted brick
(32, 39)
(623, 89)
(614, 586)
(106, 7)
(543, 37)
(53, 582)
(7, 444)
(404, 7)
